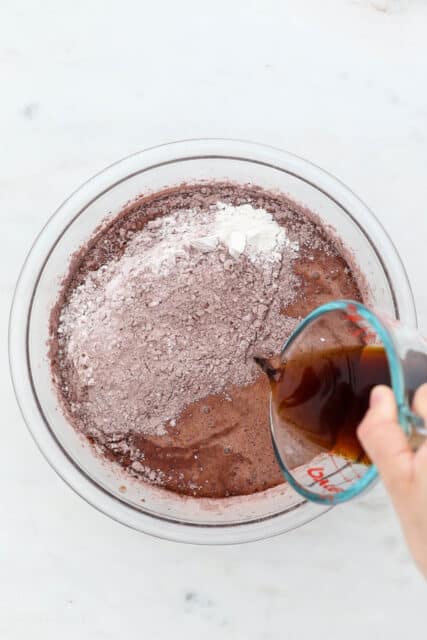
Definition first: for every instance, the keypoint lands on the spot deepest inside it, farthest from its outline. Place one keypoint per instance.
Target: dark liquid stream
(324, 395)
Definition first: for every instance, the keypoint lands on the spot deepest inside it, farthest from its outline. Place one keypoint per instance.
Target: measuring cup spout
(271, 367)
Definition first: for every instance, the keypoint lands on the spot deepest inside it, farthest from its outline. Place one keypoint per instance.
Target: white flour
(241, 230)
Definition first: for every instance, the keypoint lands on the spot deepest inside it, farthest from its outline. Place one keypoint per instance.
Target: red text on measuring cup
(318, 475)
(362, 330)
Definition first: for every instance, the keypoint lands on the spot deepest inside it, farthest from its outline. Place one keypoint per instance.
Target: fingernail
(377, 397)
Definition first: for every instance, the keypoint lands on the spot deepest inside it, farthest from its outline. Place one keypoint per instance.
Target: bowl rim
(37, 257)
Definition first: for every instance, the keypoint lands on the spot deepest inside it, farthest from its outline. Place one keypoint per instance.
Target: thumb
(384, 440)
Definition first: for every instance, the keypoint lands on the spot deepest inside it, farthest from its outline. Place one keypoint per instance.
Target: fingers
(384, 440)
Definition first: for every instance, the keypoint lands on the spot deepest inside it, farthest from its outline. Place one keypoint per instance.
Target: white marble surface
(340, 82)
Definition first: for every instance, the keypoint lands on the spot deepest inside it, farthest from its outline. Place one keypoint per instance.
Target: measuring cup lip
(397, 383)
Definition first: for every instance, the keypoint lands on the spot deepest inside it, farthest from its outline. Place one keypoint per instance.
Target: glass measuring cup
(321, 460)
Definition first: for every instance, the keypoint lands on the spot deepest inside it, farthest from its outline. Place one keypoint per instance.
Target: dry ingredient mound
(158, 320)
(177, 317)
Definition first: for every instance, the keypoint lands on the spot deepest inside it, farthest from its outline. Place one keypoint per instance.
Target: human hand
(403, 471)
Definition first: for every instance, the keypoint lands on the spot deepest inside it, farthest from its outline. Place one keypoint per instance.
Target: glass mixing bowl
(140, 505)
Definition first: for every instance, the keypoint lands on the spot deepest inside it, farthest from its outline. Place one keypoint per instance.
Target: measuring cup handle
(417, 432)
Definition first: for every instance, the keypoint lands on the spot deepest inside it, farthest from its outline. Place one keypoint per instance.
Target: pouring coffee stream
(324, 395)
(320, 389)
